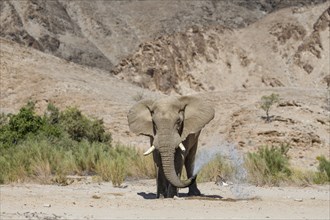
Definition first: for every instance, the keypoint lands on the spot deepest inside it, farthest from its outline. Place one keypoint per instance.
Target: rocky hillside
(101, 33)
(289, 48)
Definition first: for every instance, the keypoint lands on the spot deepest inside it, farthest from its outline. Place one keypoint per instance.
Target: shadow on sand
(183, 196)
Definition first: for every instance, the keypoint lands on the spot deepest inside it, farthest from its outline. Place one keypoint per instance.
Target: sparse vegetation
(267, 102)
(48, 148)
(269, 165)
(217, 167)
(323, 174)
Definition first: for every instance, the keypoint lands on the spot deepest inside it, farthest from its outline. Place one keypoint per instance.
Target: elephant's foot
(160, 196)
(172, 191)
(194, 191)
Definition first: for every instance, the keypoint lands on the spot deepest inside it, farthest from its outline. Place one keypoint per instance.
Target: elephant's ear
(197, 113)
(139, 118)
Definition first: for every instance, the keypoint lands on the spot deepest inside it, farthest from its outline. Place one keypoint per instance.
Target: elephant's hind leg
(189, 164)
(193, 190)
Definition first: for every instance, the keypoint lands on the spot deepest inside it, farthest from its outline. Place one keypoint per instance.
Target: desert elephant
(173, 125)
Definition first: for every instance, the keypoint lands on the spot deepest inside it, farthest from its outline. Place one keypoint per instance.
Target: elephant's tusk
(181, 146)
(149, 151)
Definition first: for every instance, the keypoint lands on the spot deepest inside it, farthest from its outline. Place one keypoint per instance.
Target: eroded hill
(101, 33)
(289, 48)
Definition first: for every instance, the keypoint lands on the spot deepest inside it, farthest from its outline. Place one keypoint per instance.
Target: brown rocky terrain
(101, 33)
(286, 52)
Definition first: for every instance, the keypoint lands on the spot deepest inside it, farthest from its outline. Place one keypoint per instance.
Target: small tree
(267, 102)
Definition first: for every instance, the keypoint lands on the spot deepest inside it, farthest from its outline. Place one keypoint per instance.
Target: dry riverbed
(136, 200)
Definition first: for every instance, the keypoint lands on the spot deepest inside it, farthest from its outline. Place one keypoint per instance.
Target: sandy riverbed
(136, 200)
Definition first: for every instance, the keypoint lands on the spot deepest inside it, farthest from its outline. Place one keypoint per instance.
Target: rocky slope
(292, 51)
(101, 33)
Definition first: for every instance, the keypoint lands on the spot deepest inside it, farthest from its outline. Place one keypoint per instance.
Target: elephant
(173, 125)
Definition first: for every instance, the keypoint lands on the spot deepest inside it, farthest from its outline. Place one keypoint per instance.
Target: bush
(48, 148)
(267, 102)
(79, 127)
(54, 124)
(55, 144)
(323, 174)
(19, 126)
(268, 165)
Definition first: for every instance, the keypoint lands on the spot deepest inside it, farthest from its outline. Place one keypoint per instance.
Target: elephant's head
(168, 122)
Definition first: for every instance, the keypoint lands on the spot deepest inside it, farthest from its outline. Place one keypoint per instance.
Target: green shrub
(52, 127)
(323, 174)
(48, 148)
(324, 165)
(26, 122)
(56, 144)
(79, 127)
(268, 165)
(54, 124)
(267, 102)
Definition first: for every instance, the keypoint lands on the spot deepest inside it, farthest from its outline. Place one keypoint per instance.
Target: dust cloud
(228, 151)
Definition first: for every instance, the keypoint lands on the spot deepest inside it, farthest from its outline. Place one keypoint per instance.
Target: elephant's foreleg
(162, 184)
(160, 178)
(189, 164)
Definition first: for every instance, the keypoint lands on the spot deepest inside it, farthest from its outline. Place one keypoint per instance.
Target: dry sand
(136, 200)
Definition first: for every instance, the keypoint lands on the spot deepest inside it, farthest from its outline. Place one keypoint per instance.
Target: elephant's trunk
(170, 173)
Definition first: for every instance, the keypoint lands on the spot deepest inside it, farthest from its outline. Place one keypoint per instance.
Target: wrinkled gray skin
(168, 122)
